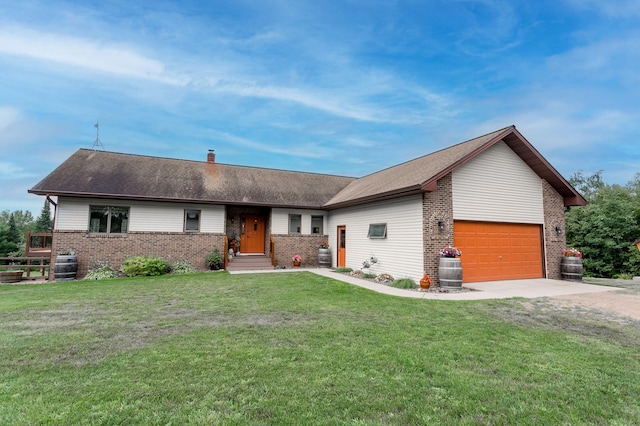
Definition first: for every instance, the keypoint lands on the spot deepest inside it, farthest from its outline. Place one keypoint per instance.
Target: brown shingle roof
(89, 173)
(422, 174)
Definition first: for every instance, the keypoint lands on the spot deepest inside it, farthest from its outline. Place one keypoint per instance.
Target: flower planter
(296, 264)
(65, 267)
(571, 268)
(324, 258)
(450, 273)
(10, 276)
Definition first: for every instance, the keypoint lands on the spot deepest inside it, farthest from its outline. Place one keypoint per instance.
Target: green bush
(182, 266)
(215, 261)
(144, 266)
(101, 271)
(405, 283)
(343, 270)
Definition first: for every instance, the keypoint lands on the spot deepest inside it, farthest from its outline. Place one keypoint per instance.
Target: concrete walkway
(529, 289)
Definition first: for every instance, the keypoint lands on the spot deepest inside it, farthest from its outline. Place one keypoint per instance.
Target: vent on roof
(211, 156)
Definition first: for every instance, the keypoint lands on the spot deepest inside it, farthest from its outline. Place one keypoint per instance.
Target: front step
(250, 263)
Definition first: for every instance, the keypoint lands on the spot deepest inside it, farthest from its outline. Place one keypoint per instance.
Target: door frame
(244, 220)
(341, 245)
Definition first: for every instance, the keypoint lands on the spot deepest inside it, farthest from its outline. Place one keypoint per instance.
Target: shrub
(101, 271)
(343, 270)
(182, 266)
(406, 283)
(215, 261)
(144, 266)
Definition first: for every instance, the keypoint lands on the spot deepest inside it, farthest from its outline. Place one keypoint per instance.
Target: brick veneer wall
(437, 206)
(554, 242)
(286, 246)
(92, 248)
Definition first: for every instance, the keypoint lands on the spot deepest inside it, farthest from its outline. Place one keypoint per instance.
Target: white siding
(280, 220)
(400, 254)
(497, 186)
(144, 216)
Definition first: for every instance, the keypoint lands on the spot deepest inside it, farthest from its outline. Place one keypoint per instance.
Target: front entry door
(252, 235)
(342, 246)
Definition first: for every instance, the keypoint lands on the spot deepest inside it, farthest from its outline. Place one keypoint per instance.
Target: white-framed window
(191, 220)
(377, 230)
(316, 224)
(108, 219)
(295, 223)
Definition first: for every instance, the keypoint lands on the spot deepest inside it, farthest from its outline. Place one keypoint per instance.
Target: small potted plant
(296, 260)
(571, 265)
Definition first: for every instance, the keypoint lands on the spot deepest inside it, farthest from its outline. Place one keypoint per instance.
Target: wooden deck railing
(38, 244)
(44, 264)
(37, 249)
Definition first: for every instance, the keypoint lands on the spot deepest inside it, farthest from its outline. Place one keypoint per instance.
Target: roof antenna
(97, 144)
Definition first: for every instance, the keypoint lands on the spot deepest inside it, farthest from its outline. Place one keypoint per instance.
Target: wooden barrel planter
(10, 276)
(571, 268)
(450, 273)
(66, 267)
(324, 258)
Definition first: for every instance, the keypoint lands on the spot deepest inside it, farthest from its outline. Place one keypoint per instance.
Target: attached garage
(499, 251)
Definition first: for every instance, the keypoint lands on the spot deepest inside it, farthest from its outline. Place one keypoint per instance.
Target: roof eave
(411, 190)
(172, 200)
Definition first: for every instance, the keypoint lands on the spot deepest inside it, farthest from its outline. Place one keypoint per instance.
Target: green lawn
(299, 349)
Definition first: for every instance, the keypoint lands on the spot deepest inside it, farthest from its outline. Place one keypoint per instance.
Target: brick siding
(286, 246)
(437, 206)
(554, 242)
(92, 248)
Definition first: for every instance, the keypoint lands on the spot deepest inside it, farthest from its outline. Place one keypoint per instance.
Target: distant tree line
(605, 229)
(15, 225)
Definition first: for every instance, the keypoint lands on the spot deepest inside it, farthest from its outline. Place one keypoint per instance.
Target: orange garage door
(499, 251)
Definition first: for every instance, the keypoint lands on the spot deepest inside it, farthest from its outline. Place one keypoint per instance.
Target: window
(191, 220)
(108, 219)
(295, 223)
(377, 230)
(316, 224)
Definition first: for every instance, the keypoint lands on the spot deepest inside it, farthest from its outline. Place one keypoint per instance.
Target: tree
(44, 223)
(605, 228)
(9, 238)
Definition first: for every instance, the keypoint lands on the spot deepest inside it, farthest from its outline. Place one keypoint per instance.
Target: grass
(297, 348)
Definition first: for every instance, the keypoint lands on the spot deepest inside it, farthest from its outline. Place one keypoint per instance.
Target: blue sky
(343, 87)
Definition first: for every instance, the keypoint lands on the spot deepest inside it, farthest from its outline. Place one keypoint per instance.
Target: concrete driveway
(529, 289)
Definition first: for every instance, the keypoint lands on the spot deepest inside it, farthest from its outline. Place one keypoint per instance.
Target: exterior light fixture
(558, 229)
(441, 225)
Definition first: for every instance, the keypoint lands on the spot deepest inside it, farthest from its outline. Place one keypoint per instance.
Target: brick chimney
(211, 157)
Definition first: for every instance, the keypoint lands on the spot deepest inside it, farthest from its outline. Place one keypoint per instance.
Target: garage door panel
(499, 251)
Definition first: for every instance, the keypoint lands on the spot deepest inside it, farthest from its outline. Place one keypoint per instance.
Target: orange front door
(252, 235)
(499, 251)
(342, 246)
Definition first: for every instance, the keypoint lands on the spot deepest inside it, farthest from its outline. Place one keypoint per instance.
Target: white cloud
(82, 53)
